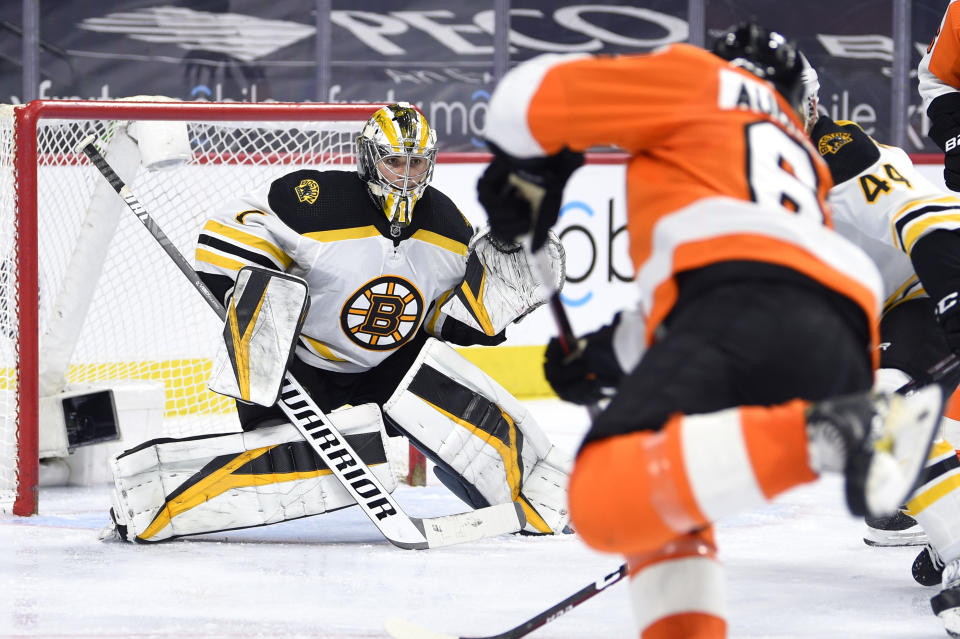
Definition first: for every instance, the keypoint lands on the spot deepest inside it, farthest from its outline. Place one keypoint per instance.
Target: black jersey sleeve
(936, 260)
(456, 332)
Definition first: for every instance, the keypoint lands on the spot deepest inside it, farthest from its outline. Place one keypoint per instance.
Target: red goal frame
(26, 121)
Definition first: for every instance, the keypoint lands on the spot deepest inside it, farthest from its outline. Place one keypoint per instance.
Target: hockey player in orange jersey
(758, 319)
(939, 84)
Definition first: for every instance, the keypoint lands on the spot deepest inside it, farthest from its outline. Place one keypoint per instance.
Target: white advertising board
(592, 227)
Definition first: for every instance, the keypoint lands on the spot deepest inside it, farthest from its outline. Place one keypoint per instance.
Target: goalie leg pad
(936, 502)
(170, 488)
(458, 486)
(479, 432)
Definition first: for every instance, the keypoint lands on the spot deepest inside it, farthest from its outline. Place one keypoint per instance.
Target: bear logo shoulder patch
(833, 142)
(307, 191)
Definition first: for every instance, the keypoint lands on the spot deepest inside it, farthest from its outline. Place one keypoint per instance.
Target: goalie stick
(316, 428)
(401, 629)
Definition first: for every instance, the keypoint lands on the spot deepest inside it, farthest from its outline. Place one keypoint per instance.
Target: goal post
(87, 305)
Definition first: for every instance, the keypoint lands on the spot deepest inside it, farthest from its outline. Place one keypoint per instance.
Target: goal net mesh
(114, 310)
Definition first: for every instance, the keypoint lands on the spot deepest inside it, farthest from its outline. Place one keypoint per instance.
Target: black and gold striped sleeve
(229, 245)
(236, 237)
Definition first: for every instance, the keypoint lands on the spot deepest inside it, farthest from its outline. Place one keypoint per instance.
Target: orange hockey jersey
(939, 69)
(719, 167)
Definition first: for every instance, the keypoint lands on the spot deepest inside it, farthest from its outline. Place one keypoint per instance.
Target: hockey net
(87, 298)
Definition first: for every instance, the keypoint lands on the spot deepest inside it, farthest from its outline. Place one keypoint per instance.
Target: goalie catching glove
(499, 286)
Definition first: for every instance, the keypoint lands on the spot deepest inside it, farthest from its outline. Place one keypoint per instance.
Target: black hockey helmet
(767, 55)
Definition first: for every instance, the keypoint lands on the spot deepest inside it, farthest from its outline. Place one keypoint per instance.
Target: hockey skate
(900, 529)
(880, 442)
(928, 567)
(113, 531)
(946, 603)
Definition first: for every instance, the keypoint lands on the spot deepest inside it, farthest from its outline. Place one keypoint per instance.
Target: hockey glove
(524, 195)
(944, 114)
(948, 316)
(588, 374)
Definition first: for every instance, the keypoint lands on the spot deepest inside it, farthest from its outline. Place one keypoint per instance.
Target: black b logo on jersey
(383, 313)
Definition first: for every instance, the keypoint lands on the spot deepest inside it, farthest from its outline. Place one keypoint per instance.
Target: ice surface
(796, 569)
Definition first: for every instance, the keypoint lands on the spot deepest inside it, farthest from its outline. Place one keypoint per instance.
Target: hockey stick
(568, 341)
(400, 629)
(399, 528)
(935, 373)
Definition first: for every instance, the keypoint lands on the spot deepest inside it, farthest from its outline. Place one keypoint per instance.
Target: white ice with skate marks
(796, 569)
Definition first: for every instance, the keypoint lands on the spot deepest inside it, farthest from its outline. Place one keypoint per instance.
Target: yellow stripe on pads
(533, 517)
(923, 500)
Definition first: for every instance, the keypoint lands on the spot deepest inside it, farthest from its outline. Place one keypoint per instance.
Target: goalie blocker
(487, 449)
(263, 321)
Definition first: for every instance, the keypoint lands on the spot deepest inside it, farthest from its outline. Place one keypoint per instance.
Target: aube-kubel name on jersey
(740, 92)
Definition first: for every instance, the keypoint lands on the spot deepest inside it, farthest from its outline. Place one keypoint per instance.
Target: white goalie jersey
(369, 294)
(370, 291)
(882, 203)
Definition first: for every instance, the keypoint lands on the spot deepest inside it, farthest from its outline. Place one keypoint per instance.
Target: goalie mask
(769, 56)
(396, 153)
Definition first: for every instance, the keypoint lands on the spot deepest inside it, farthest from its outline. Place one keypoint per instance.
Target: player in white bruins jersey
(882, 203)
(385, 270)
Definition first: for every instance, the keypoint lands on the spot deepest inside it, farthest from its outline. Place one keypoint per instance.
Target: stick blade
(400, 629)
(482, 523)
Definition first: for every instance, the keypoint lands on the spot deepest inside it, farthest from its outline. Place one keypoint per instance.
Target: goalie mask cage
(87, 298)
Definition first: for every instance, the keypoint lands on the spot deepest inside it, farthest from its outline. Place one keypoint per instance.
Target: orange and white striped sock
(679, 590)
(632, 494)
